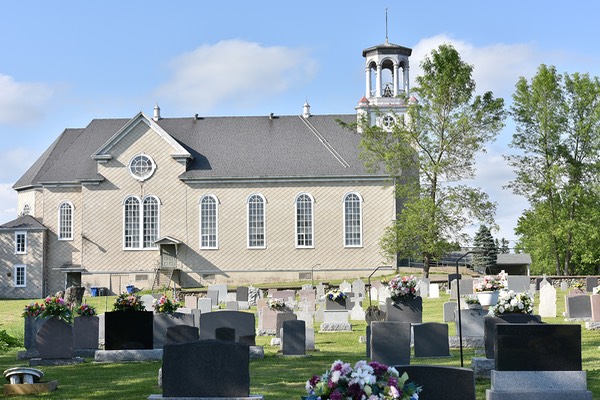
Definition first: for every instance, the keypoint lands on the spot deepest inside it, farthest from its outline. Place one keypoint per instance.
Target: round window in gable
(141, 167)
(388, 121)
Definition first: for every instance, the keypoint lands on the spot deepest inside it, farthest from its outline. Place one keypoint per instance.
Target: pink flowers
(403, 287)
(165, 305)
(489, 284)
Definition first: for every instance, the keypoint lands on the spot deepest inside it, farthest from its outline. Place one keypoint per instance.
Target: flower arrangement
(33, 309)
(578, 285)
(365, 381)
(403, 287)
(165, 305)
(336, 295)
(276, 304)
(489, 284)
(85, 310)
(57, 307)
(472, 300)
(510, 302)
(128, 302)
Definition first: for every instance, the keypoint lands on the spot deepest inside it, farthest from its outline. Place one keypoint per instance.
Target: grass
(275, 376)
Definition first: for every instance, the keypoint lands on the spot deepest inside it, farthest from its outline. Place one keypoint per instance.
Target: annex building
(197, 200)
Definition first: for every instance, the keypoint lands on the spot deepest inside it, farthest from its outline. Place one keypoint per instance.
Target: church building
(157, 200)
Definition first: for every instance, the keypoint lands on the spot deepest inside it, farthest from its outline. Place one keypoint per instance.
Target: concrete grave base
(335, 327)
(469, 342)
(482, 367)
(538, 385)
(128, 355)
(28, 354)
(252, 397)
(584, 319)
(592, 326)
(36, 362)
(30, 388)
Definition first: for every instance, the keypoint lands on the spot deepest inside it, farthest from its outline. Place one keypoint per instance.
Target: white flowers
(511, 302)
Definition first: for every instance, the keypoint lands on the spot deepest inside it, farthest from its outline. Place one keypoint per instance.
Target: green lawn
(275, 376)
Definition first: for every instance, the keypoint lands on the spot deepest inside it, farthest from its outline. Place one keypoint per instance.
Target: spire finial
(386, 26)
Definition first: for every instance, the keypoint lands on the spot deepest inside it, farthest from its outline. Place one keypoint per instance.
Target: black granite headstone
(293, 340)
(182, 334)
(241, 293)
(280, 318)
(590, 283)
(335, 305)
(538, 347)
(448, 383)
(225, 334)
(408, 310)
(128, 330)
(207, 368)
(452, 277)
(85, 332)
(242, 322)
(163, 321)
(390, 342)
(431, 340)
(55, 339)
(489, 327)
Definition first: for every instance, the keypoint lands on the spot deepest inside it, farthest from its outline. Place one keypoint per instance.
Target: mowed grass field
(275, 376)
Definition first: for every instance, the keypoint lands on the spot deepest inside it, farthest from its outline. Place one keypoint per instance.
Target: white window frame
(312, 222)
(147, 174)
(61, 222)
(141, 223)
(264, 222)
(216, 223)
(16, 275)
(360, 219)
(17, 235)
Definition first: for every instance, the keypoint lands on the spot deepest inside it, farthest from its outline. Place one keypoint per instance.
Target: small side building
(514, 264)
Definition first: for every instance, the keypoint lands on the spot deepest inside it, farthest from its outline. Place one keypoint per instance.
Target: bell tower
(387, 84)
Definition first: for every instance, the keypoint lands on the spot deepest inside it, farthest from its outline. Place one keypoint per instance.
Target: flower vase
(488, 298)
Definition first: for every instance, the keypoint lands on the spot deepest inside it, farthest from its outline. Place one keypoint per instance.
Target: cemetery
(536, 340)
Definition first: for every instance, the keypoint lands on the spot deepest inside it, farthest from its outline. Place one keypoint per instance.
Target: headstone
(490, 323)
(409, 310)
(590, 283)
(148, 301)
(423, 287)
(434, 291)
(449, 311)
(222, 289)
(241, 293)
(578, 306)
(466, 288)
(518, 283)
(335, 321)
(162, 322)
(538, 385)
(310, 338)
(241, 322)
(128, 330)
(214, 296)
(547, 307)
(204, 304)
(225, 334)
(280, 319)
(336, 305)
(232, 305)
(55, 339)
(320, 290)
(595, 306)
(564, 285)
(539, 280)
(253, 295)
(309, 297)
(384, 293)
(358, 286)
(182, 334)
(431, 339)
(538, 347)
(471, 322)
(440, 382)
(284, 294)
(357, 313)
(305, 315)
(207, 368)
(390, 342)
(452, 277)
(85, 332)
(293, 337)
(345, 287)
(189, 302)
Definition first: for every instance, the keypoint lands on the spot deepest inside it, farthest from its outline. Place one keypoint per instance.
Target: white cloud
(8, 203)
(14, 162)
(234, 71)
(497, 67)
(22, 102)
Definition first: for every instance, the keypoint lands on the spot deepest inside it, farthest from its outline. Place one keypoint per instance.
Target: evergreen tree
(485, 261)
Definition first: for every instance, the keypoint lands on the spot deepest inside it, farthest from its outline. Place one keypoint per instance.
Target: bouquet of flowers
(365, 381)
(33, 309)
(128, 302)
(57, 307)
(336, 295)
(276, 304)
(85, 310)
(472, 300)
(489, 284)
(511, 302)
(165, 305)
(403, 287)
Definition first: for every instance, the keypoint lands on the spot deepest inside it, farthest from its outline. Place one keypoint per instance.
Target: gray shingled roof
(510, 258)
(222, 147)
(24, 222)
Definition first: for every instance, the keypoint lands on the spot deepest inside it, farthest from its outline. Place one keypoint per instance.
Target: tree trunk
(426, 261)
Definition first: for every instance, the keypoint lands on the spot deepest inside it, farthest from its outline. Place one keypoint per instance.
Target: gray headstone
(345, 287)
(241, 322)
(148, 301)
(253, 295)
(578, 306)
(490, 322)
(466, 288)
(182, 334)
(225, 334)
(232, 305)
(214, 296)
(452, 277)
(85, 332)
(310, 338)
(207, 368)
(283, 294)
(241, 293)
(440, 382)
(190, 302)
(293, 338)
(518, 283)
(280, 319)
(472, 322)
(205, 304)
(390, 342)
(409, 310)
(55, 339)
(590, 283)
(320, 290)
(538, 347)
(423, 287)
(222, 289)
(431, 340)
(547, 307)
(539, 280)
(358, 286)
(564, 285)
(162, 322)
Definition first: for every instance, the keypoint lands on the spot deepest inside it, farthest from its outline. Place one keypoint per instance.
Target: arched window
(208, 222)
(352, 220)
(304, 220)
(256, 221)
(141, 222)
(65, 221)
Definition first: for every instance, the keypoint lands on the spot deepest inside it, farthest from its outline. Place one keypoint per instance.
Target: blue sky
(64, 63)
